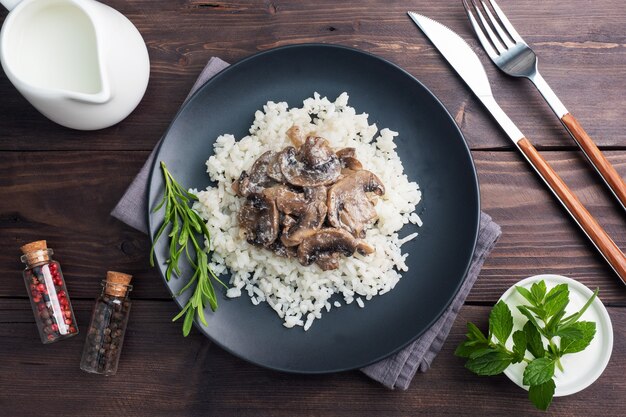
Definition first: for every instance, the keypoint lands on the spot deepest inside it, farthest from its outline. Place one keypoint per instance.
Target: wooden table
(60, 185)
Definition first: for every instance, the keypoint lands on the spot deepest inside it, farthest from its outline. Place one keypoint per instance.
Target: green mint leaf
(519, 346)
(501, 321)
(538, 311)
(538, 291)
(541, 395)
(474, 333)
(573, 345)
(575, 317)
(481, 352)
(557, 289)
(524, 310)
(527, 295)
(465, 349)
(492, 363)
(534, 344)
(556, 300)
(553, 352)
(553, 324)
(570, 332)
(539, 371)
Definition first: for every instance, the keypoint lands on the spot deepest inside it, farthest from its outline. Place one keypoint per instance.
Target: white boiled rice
(299, 294)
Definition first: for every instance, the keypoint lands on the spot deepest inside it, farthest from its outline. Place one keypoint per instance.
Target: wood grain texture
(163, 374)
(612, 178)
(538, 236)
(594, 231)
(581, 50)
(69, 206)
(60, 185)
(66, 198)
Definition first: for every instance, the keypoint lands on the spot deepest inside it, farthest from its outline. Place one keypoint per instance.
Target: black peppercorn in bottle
(105, 336)
(48, 295)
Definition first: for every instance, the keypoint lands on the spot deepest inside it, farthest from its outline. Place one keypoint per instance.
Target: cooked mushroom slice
(316, 151)
(257, 179)
(325, 246)
(273, 168)
(295, 135)
(237, 184)
(287, 222)
(364, 248)
(349, 207)
(347, 156)
(287, 200)
(258, 217)
(313, 165)
(310, 220)
(283, 251)
(328, 261)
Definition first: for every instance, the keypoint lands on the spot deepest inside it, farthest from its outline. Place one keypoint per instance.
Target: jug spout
(100, 97)
(10, 4)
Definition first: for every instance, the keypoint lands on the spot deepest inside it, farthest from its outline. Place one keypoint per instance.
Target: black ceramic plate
(434, 154)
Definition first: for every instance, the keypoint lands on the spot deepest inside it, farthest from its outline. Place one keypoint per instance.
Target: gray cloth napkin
(133, 206)
(396, 371)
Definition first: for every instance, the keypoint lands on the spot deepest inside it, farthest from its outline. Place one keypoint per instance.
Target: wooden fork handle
(602, 241)
(596, 157)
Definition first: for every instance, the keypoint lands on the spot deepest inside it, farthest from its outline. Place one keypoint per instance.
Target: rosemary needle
(186, 236)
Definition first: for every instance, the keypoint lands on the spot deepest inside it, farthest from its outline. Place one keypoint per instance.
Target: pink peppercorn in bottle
(48, 295)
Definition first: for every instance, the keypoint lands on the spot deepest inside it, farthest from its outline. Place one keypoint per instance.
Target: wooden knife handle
(603, 242)
(596, 157)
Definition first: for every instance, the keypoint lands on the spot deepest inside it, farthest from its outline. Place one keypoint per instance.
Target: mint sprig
(547, 324)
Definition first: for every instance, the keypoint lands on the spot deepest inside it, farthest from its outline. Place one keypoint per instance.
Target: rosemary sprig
(186, 226)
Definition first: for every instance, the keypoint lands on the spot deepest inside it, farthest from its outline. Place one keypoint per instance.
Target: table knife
(466, 63)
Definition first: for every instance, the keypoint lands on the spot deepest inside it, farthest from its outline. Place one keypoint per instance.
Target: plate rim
(216, 78)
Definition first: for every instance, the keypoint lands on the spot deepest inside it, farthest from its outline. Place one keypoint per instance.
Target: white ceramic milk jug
(79, 62)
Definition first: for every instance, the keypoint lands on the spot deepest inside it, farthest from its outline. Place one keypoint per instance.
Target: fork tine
(494, 38)
(503, 36)
(479, 32)
(509, 27)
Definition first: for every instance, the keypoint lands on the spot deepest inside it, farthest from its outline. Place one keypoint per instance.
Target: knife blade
(467, 64)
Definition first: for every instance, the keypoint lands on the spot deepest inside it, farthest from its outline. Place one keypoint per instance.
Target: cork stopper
(117, 283)
(35, 252)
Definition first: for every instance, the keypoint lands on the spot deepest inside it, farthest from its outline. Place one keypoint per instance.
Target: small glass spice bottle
(105, 336)
(48, 295)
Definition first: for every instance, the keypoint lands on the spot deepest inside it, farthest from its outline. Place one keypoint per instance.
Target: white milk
(56, 48)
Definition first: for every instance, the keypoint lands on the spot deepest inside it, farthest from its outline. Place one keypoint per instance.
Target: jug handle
(10, 4)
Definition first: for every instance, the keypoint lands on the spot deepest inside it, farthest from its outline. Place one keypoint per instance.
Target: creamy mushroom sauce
(308, 201)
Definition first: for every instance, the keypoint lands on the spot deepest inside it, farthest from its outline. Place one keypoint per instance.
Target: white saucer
(582, 368)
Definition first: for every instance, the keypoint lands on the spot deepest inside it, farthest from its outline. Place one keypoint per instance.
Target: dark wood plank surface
(160, 376)
(60, 185)
(581, 53)
(70, 209)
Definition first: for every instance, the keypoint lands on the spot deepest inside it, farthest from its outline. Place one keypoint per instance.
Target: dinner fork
(514, 57)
